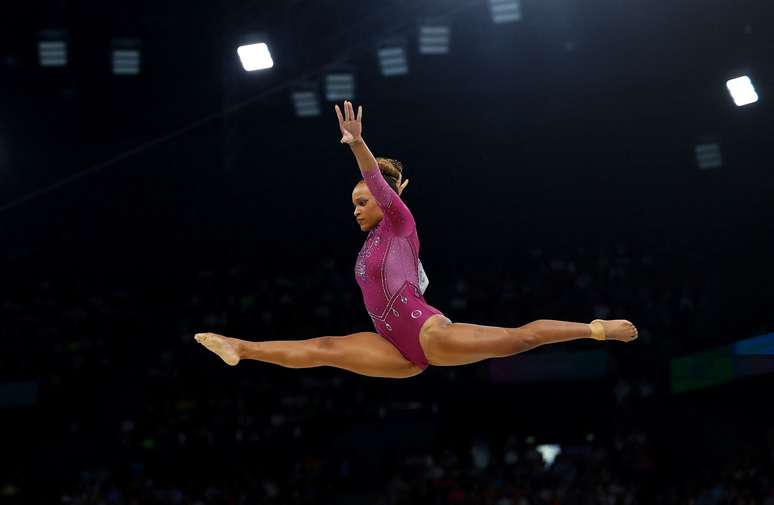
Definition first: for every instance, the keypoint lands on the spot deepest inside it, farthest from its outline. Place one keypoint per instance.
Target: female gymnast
(410, 334)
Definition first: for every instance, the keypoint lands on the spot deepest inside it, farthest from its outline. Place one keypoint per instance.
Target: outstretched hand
(351, 127)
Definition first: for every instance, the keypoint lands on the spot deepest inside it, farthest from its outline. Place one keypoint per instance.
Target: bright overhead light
(255, 56)
(742, 91)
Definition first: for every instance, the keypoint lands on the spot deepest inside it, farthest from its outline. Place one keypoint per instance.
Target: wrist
(357, 141)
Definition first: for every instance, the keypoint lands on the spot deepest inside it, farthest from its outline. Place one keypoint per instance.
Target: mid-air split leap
(410, 333)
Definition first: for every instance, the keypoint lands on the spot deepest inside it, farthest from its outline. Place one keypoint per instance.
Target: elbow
(405, 229)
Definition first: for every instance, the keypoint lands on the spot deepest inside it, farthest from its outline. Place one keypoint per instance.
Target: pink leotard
(387, 273)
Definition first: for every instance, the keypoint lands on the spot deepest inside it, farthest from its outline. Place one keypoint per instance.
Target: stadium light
(126, 56)
(742, 91)
(708, 156)
(340, 84)
(255, 56)
(434, 37)
(505, 11)
(305, 98)
(392, 57)
(52, 48)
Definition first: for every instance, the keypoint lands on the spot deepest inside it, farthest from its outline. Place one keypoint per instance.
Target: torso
(384, 264)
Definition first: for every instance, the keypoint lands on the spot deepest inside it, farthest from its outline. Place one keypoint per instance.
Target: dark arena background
(567, 160)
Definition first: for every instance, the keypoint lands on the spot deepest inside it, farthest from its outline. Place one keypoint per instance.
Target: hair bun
(388, 166)
(392, 171)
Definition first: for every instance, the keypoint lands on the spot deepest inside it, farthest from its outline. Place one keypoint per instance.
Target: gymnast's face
(367, 211)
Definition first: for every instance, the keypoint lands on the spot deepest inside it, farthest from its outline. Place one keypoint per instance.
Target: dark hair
(391, 170)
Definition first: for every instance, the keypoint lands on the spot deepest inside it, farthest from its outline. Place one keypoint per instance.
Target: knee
(525, 337)
(323, 350)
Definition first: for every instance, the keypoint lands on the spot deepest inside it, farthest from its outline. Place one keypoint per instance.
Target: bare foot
(220, 345)
(619, 329)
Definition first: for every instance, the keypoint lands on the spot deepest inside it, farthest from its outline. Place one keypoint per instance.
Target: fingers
(349, 112)
(338, 114)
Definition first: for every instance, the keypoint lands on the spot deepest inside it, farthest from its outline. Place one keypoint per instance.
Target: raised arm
(352, 133)
(393, 208)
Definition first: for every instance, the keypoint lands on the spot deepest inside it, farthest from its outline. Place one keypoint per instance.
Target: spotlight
(255, 56)
(742, 91)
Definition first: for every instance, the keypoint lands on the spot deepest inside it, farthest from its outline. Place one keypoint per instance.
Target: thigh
(450, 344)
(365, 353)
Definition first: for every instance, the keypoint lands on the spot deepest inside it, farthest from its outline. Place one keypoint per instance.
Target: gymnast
(410, 333)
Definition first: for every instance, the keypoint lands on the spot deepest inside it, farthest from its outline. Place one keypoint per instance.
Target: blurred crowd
(146, 416)
(625, 469)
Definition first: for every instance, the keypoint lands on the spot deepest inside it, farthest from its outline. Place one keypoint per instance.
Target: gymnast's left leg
(448, 344)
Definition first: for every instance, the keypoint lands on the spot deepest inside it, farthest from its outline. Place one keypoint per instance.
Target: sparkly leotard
(387, 271)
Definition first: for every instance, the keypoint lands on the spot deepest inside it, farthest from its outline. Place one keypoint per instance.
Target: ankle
(238, 346)
(597, 330)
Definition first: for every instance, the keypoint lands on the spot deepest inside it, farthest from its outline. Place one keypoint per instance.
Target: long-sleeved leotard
(387, 271)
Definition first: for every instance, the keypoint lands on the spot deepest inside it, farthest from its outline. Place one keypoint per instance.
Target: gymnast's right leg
(364, 353)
